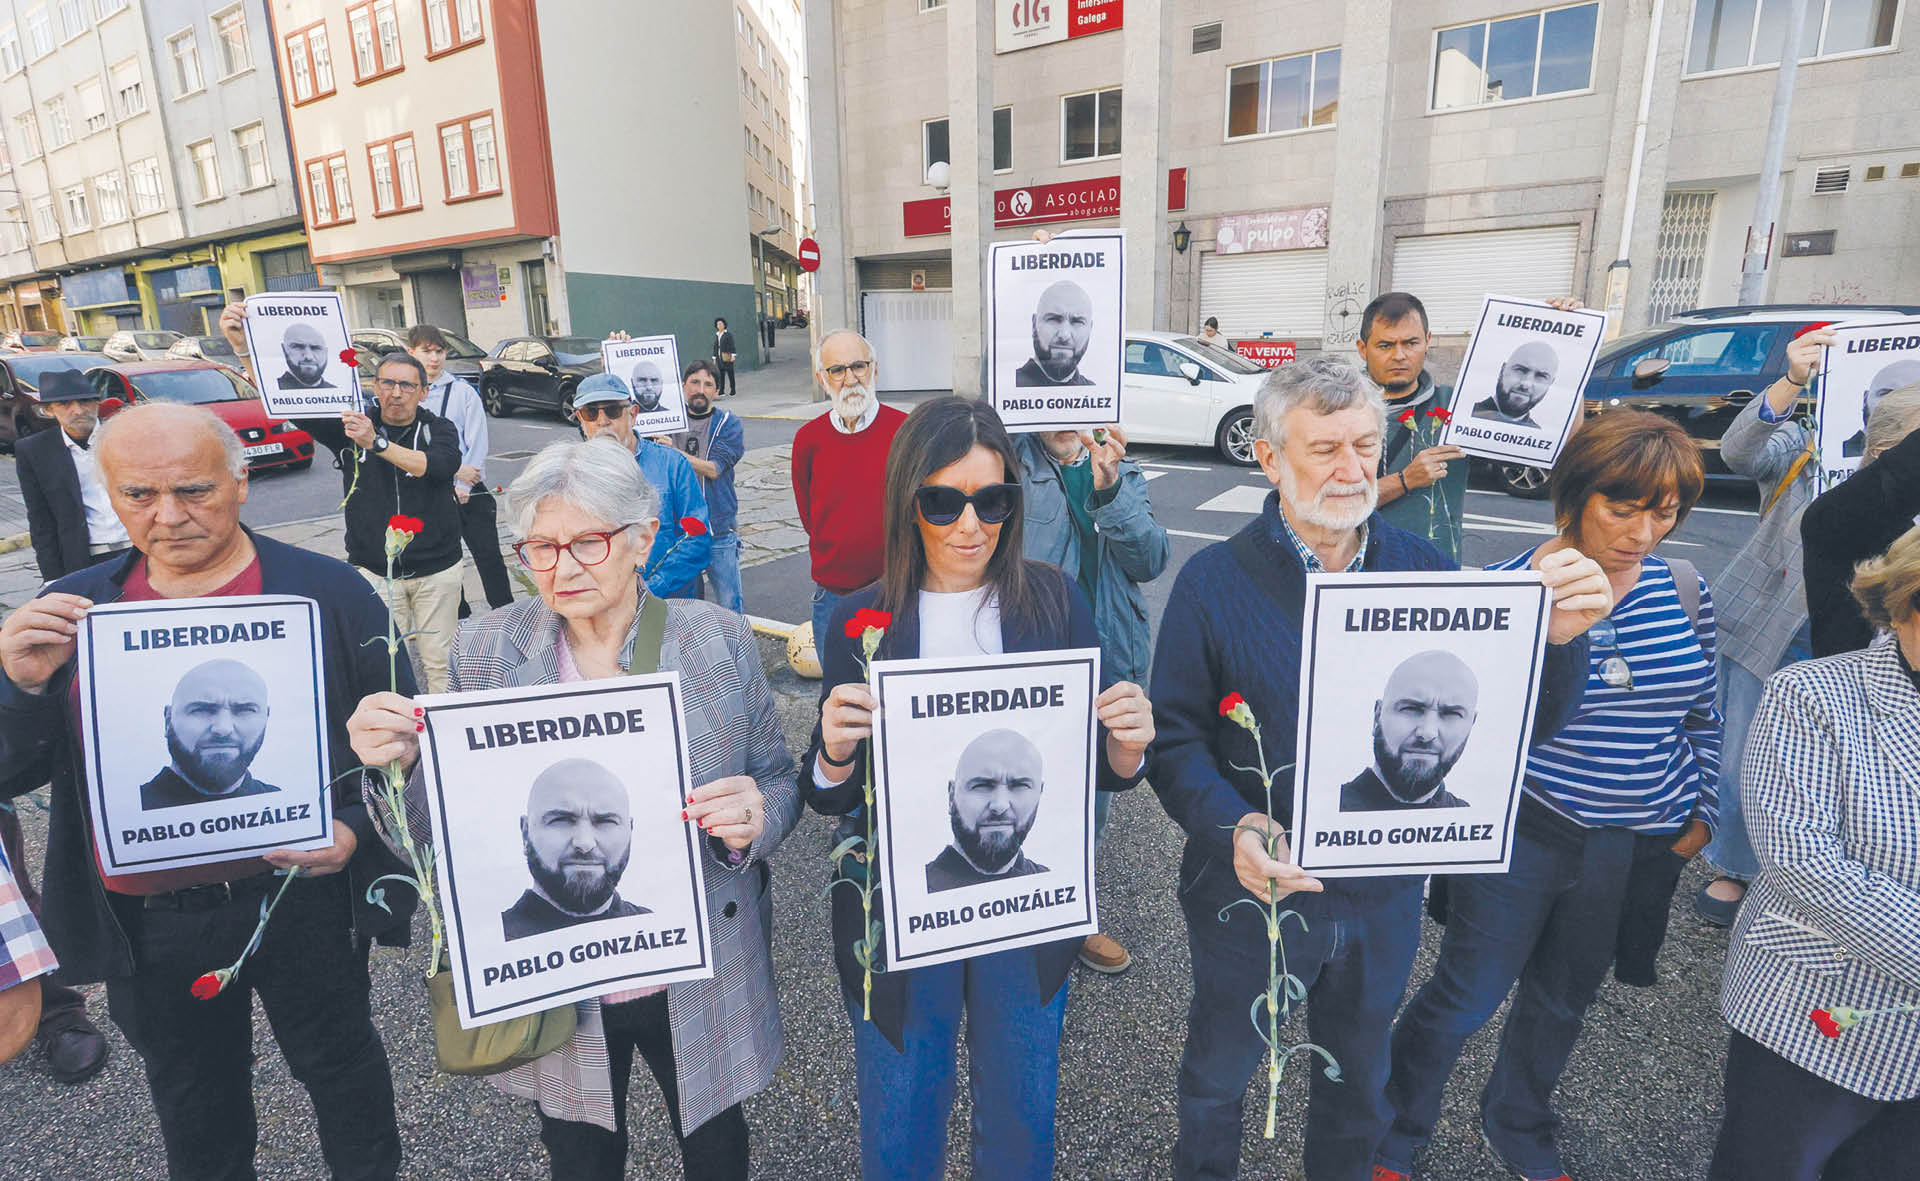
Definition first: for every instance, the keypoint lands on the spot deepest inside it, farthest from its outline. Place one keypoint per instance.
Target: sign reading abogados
(1023, 24)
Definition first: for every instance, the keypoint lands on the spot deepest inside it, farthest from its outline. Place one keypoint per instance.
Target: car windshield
(38, 340)
(154, 340)
(1226, 359)
(215, 346)
(575, 350)
(192, 386)
(28, 368)
(460, 346)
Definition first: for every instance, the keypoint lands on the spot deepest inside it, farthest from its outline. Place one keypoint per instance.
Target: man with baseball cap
(603, 405)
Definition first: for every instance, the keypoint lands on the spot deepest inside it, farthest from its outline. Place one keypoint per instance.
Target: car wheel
(566, 403)
(1527, 483)
(1234, 439)
(494, 401)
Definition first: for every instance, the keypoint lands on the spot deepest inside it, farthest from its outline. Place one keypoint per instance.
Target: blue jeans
(824, 601)
(1353, 957)
(722, 576)
(1013, 1043)
(1731, 850)
(1551, 923)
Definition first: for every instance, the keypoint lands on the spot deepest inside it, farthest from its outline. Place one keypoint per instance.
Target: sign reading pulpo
(1023, 24)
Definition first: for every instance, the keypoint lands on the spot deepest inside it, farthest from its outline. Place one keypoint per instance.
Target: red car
(270, 443)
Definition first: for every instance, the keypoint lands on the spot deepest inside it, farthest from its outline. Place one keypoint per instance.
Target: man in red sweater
(839, 472)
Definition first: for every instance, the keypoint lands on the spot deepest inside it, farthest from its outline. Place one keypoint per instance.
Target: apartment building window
(46, 223)
(206, 169)
(376, 40)
(320, 193)
(342, 190)
(931, 5)
(1090, 126)
(59, 126)
(1735, 34)
(451, 25)
(93, 105)
(149, 196)
(184, 49)
(407, 172)
(39, 41)
(469, 157)
(1283, 94)
(110, 192)
(129, 89)
(453, 161)
(13, 229)
(396, 179)
(102, 9)
(1532, 55)
(934, 142)
(230, 30)
(746, 85)
(251, 144)
(310, 63)
(75, 200)
(11, 62)
(380, 169)
(73, 18)
(332, 197)
(26, 135)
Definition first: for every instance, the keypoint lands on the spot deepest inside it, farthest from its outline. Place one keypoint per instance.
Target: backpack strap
(651, 636)
(1686, 584)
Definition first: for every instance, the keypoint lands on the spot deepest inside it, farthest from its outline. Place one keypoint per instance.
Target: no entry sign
(809, 255)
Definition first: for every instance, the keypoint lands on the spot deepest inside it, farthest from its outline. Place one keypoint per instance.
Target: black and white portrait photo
(1421, 724)
(650, 365)
(1518, 395)
(992, 801)
(566, 866)
(1864, 364)
(1055, 339)
(1415, 768)
(578, 833)
(297, 340)
(204, 730)
(983, 802)
(215, 721)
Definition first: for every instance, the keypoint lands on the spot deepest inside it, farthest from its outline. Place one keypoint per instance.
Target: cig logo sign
(1028, 13)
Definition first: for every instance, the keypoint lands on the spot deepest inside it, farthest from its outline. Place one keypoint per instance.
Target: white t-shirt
(960, 623)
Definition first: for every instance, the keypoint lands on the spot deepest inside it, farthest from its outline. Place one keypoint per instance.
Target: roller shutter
(1278, 291)
(912, 337)
(1452, 273)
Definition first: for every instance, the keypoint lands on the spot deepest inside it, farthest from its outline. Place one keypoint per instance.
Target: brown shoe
(1103, 954)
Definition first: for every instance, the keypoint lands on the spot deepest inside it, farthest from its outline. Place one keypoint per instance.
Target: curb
(17, 541)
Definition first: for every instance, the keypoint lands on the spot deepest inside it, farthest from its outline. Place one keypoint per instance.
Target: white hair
(171, 416)
(1327, 385)
(1894, 417)
(837, 332)
(599, 477)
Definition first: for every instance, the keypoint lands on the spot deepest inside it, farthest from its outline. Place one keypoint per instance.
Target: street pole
(1766, 203)
(759, 294)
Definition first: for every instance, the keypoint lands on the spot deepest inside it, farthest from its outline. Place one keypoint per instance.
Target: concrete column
(1359, 170)
(836, 284)
(1146, 81)
(970, 186)
(1637, 192)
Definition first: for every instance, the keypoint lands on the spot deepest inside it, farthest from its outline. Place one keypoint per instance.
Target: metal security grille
(1452, 273)
(1680, 255)
(1206, 38)
(1278, 291)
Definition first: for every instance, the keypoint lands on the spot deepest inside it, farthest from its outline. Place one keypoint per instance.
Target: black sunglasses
(942, 505)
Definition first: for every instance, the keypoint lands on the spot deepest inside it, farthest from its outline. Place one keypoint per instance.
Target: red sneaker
(1383, 1173)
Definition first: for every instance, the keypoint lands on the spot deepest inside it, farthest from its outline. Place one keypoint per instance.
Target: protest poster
(1519, 392)
(1056, 341)
(299, 345)
(1416, 707)
(983, 792)
(565, 868)
(204, 730)
(650, 365)
(1864, 364)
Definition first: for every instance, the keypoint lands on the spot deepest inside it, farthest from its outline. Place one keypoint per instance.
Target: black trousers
(714, 1151)
(479, 527)
(312, 980)
(727, 381)
(1784, 1123)
(60, 1006)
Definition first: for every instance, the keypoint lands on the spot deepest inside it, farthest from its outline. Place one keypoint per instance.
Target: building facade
(773, 131)
(1293, 159)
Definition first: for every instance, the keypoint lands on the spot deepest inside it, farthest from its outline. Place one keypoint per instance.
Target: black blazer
(56, 516)
(725, 346)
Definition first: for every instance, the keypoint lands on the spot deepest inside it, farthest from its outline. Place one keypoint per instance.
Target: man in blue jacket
(1087, 512)
(713, 443)
(177, 478)
(603, 405)
(1233, 625)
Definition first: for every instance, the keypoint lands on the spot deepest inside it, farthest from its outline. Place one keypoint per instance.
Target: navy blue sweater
(1226, 631)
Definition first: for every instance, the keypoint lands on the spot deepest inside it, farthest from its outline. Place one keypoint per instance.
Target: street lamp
(1182, 238)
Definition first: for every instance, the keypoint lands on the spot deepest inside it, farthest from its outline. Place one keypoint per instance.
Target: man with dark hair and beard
(1420, 725)
(992, 801)
(1524, 380)
(1062, 329)
(215, 725)
(305, 352)
(578, 834)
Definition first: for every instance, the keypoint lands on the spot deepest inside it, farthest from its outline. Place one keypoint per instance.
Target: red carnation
(1825, 1021)
(693, 526)
(1406, 416)
(864, 618)
(1441, 413)
(206, 987)
(349, 356)
(1233, 701)
(1814, 327)
(411, 525)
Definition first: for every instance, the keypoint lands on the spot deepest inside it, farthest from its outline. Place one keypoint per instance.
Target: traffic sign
(809, 255)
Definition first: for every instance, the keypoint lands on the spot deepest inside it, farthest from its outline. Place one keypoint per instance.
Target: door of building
(437, 301)
(1679, 255)
(1453, 273)
(911, 334)
(1277, 291)
(533, 280)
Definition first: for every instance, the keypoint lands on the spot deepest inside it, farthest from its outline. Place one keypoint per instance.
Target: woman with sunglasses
(586, 519)
(1615, 804)
(955, 584)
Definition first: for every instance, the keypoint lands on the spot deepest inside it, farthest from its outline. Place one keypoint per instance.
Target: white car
(1183, 391)
(140, 344)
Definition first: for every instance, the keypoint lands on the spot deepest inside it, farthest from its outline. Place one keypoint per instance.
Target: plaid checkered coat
(1833, 791)
(726, 1030)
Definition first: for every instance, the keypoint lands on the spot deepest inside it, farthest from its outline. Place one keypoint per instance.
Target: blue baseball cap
(602, 387)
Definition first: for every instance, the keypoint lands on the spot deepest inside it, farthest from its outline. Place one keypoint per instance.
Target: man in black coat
(68, 514)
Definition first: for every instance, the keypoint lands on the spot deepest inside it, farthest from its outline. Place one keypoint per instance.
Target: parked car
(371, 344)
(140, 344)
(270, 443)
(1181, 390)
(20, 413)
(32, 341)
(540, 372)
(82, 344)
(205, 348)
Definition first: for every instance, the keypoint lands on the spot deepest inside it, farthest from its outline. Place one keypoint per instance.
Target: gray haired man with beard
(578, 834)
(992, 801)
(1421, 724)
(215, 726)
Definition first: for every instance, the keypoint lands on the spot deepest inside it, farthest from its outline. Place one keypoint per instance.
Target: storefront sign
(482, 286)
(1269, 354)
(1274, 229)
(1023, 24)
(1030, 206)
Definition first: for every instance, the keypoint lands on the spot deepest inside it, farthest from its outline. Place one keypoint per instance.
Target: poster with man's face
(1519, 392)
(650, 365)
(204, 730)
(297, 339)
(1055, 341)
(1864, 364)
(1417, 695)
(983, 788)
(565, 869)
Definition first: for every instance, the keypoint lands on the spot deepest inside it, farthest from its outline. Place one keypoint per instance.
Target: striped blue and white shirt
(1645, 758)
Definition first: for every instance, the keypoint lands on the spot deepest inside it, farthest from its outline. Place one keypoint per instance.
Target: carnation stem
(1273, 943)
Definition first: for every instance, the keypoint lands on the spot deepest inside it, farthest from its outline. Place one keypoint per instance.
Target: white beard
(852, 401)
(1322, 515)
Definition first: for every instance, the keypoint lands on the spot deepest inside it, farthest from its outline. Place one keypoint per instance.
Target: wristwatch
(379, 444)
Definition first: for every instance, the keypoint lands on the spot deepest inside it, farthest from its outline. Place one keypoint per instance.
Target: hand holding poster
(1417, 697)
(297, 340)
(650, 365)
(1864, 364)
(567, 869)
(983, 794)
(1056, 341)
(205, 732)
(1518, 395)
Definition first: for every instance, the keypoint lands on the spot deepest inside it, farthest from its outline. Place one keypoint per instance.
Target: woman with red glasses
(955, 584)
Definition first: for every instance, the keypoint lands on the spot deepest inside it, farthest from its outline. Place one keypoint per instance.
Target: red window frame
(465, 124)
(393, 167)
(455, 45)
(305, 33)
(333, 201)
(382, 67)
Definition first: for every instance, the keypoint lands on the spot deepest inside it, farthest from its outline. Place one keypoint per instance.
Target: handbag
(502, 1045)
(19, 1017)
